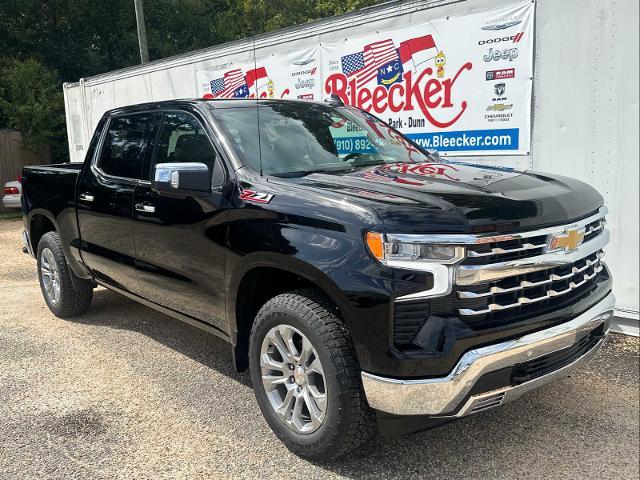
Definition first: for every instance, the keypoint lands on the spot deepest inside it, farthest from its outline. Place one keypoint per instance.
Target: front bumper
(455, 395)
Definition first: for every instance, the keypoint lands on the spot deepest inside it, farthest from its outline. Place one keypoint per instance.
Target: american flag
(225, 87)
(363, 66)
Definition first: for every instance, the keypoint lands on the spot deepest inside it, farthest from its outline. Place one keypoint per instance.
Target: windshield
(301, 138)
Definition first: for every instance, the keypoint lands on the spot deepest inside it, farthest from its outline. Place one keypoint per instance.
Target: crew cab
(366, 283)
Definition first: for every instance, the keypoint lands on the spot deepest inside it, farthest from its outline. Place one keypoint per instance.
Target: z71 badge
(256, 197)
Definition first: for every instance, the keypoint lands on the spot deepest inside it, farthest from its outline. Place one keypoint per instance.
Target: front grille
(517, 298)
(522, 290)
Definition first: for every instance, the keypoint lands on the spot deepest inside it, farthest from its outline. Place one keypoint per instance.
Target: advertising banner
(459, 85)
(290, 74)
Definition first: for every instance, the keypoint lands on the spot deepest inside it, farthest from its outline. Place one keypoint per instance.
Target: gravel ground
(126, 392)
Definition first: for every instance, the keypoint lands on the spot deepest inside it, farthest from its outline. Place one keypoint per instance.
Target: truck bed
(51, 187)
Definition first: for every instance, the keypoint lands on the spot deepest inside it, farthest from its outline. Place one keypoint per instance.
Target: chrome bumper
(443, 396)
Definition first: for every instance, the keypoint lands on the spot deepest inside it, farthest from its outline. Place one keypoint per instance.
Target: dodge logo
(569, 240)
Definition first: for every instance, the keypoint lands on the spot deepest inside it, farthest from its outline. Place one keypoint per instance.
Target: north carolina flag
(419, 49)
(363, 66)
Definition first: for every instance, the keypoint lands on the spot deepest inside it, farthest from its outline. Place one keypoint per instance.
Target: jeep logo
(497, 54)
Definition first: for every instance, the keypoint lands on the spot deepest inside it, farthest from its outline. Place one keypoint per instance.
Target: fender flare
(44, 213)
(79, 270)
(282, 262)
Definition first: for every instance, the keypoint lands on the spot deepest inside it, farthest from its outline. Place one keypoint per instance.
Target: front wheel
(306, 377)
(65, 296)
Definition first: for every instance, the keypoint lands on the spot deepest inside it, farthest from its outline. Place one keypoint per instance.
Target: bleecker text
(423, 90)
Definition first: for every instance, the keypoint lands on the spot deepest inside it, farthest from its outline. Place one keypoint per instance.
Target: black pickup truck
(367, 284)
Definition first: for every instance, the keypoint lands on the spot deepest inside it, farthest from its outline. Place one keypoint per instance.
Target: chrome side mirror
(181, 178)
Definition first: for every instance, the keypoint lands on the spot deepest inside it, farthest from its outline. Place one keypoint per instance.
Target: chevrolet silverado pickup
(367, 284)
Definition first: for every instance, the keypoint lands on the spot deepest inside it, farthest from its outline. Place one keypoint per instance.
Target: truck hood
(461, 197)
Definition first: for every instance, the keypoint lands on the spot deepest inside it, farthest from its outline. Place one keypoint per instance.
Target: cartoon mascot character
(270, 88)
(440, 61)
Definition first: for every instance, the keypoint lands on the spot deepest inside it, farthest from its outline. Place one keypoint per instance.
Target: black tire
(349, 420)
(75, 294)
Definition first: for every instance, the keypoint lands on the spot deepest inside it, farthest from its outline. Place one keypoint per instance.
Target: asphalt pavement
(125, 392)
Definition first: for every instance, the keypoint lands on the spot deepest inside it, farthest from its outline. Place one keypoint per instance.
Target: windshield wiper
(303, 173)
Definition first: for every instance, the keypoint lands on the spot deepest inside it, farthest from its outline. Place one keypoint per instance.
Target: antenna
(255, 84)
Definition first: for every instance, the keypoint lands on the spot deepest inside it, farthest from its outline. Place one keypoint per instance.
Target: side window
(182, 139)
(124, 146)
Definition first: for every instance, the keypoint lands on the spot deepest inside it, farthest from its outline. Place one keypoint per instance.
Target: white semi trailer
(547, 85)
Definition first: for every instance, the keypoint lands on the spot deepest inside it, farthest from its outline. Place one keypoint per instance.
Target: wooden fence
(13, 157)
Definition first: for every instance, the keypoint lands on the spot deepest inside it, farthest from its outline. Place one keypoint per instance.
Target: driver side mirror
(181, 179)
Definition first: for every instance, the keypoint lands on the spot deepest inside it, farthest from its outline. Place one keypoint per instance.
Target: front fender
(310, 253)
(286, 263)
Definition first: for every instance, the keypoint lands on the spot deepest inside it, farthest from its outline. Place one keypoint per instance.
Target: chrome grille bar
(596, 228)
(527, 284)
(502, 251)
(494, 307)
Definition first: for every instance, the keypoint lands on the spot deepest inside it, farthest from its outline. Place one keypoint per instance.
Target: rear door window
(125, 145)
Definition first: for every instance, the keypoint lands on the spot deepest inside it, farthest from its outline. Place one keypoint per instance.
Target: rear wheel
(65, 296)
(306, 377)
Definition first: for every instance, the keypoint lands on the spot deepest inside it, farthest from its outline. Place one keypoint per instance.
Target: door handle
(86, 197)
(145, 207)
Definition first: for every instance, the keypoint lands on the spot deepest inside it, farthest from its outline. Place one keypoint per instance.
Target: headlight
(406, 251)
(409, 254)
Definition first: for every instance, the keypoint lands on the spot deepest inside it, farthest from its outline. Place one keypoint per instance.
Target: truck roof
(247, 102)
(216, 103)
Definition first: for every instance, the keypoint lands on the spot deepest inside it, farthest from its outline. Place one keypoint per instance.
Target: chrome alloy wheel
(293, 378)
(50, 275)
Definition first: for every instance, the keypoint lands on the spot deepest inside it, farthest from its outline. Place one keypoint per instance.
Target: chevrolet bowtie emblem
(569, 240)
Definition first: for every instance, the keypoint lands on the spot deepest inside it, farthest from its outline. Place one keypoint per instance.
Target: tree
(76, 38)
(31, 102)
(244, 17)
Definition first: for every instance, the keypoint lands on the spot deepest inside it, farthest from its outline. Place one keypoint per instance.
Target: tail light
(11, 191)
(19, 178)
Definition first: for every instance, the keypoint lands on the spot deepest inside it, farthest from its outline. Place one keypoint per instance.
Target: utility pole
(142, 32)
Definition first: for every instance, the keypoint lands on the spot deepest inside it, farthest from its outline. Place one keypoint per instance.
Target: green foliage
(46, 42)
(31, 102)
(244, 17)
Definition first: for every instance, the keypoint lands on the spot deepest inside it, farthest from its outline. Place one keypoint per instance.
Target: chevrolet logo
(569, 240)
